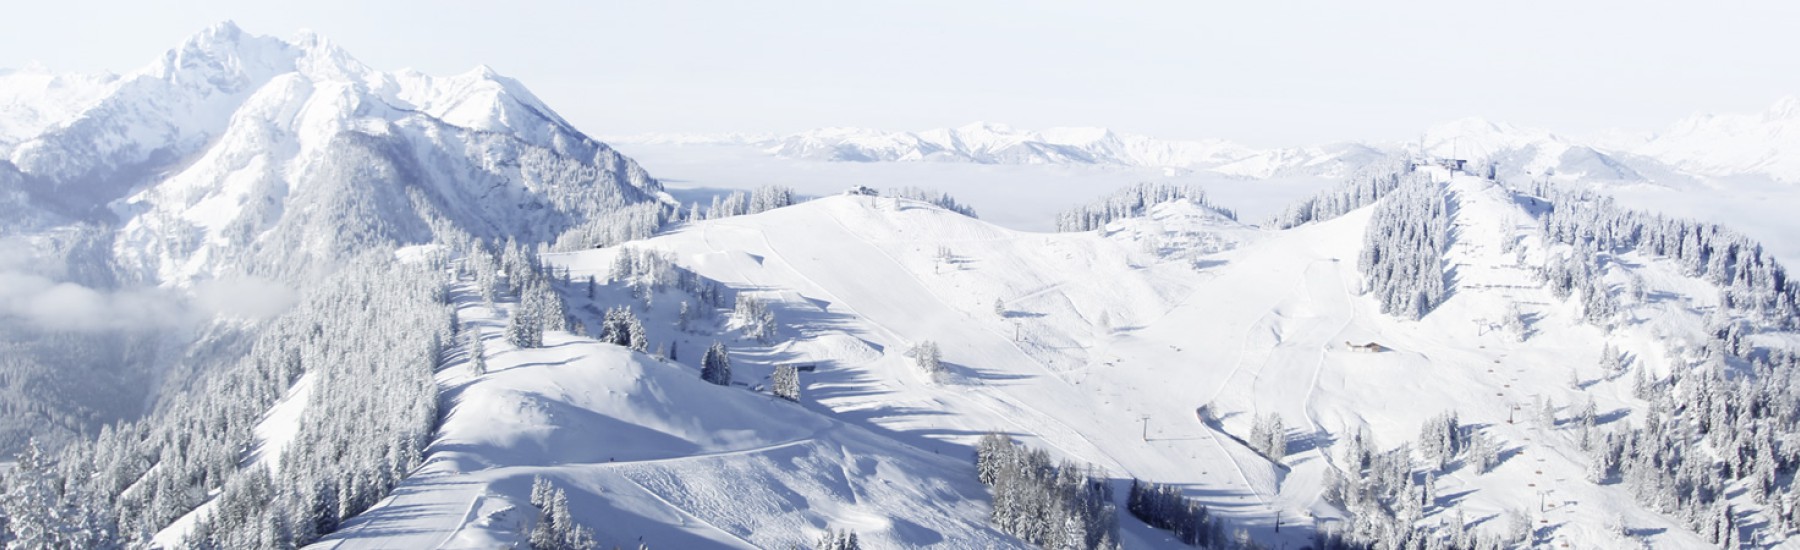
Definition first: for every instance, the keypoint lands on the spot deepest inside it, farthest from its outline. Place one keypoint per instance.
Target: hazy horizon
(1261, 75)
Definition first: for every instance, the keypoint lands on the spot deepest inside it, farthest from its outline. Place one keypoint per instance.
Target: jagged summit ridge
(232, 146)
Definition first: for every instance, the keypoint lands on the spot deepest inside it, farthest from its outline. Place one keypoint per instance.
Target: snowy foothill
(1096, 346)
(649, 453)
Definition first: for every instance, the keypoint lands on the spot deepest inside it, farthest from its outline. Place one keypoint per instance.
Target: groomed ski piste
(1103, 346)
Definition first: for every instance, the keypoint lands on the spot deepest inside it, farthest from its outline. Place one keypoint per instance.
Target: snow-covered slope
(1106, 345)
(651, 454)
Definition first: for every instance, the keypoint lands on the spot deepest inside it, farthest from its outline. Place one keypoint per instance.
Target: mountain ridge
(218, 135)
(1708, 145)
(235, 160)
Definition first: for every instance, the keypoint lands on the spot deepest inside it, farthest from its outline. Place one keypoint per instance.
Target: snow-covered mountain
(1524, 152)
(235, 156)
(989, 143)
(1479, 141)
(34, 98)
(1766, 143)
(234, 148)
(1700, 146)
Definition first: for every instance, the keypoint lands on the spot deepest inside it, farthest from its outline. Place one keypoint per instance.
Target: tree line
(1132, 202)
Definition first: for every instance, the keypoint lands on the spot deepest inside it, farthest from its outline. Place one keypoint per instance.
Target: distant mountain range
(987, 143)
(1763, 144)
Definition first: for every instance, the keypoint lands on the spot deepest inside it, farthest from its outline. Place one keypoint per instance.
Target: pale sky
(1264, 73)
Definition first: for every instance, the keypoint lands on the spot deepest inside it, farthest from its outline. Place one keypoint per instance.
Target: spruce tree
(926, 356)
(636, 337)
(477, 355)
(715, 367)
(786, 382)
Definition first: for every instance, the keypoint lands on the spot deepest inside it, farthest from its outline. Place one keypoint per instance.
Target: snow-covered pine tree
(1611, 361)
(1268, 436)
(786, 382)
(715, 366)
(1367, 185)
(939, 199)
(619, 326)
(554, 315)
(1402, 256)
(521, 328)
(1038, 500)
(30, 502)
(556, 528)
(1131, 202)
(1519, 530)
(838, 540)
(339, 464)
(477, 353)
(1164, 507)
(1484, 452)
(925, 354)
(770, 197)
(754, 317)
(1516, 324)
(636, 337)
(1441, 440)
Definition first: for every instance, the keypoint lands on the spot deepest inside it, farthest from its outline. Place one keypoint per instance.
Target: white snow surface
(650, 453)
(1109, 343)
(1015, 196)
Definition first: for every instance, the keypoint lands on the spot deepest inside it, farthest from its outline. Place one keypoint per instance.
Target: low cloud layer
(58, 305)
(34, 289)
